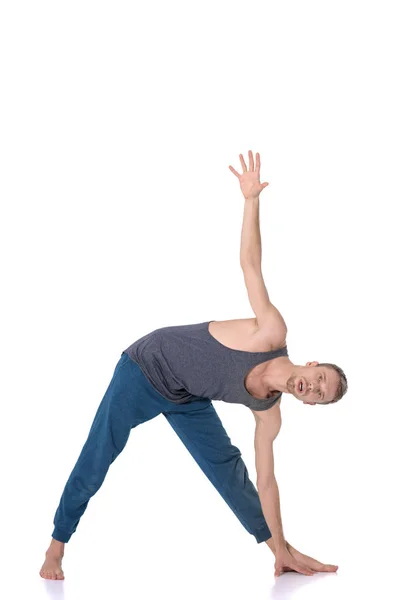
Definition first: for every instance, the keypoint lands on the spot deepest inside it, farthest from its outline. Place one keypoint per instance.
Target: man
(176, 371)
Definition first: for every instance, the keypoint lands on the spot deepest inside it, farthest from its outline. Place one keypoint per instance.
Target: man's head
(318, 383)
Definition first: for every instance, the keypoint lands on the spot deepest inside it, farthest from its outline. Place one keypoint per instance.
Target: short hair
(342, 388)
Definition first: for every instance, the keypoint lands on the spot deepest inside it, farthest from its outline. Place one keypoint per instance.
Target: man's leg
(200, 429)
(126, 403)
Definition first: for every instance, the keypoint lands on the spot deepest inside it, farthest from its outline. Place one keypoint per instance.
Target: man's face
(319, 384)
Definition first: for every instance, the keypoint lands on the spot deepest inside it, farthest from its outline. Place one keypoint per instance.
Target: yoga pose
(177, 371)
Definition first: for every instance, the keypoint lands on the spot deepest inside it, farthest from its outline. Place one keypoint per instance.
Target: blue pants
(130, 400)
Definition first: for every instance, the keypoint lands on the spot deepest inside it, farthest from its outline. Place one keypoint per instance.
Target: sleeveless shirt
(185, 363)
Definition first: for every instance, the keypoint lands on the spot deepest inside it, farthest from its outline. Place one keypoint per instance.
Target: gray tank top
(185, 363)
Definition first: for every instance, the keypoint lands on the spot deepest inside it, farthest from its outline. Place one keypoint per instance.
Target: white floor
(100, 573)
(134, 546)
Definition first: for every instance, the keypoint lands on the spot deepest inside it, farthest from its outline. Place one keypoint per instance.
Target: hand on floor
(310, 562)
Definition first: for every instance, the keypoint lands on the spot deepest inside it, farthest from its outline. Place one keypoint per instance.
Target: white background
(119, 215)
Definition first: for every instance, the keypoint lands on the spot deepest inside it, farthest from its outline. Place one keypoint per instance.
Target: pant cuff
(263, 534)
(61, 535)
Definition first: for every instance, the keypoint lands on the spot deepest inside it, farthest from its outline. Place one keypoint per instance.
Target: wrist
(280, 545)
(276, 545)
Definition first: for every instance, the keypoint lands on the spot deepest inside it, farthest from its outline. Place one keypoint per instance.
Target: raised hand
(250, 178)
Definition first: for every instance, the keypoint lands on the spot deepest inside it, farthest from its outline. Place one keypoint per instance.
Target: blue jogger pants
(130, 400)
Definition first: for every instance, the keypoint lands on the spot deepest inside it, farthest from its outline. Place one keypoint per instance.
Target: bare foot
(52, 567)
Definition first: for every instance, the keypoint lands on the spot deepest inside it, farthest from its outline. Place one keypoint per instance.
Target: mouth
(301, 387)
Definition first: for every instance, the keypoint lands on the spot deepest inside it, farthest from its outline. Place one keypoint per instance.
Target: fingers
(302, 567)
(330, 568)
(318, 566)
(312, 563)
(251, 163)
(302, 571)
(294, 566)
(321, 568)
(305, 570)
(243, 163)
(315, 565)
(257, 162)
(234, 171)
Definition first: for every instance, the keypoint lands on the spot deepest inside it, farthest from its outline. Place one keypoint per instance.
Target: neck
(276, 374)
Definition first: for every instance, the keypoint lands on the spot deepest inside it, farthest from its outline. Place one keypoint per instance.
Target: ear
(312, 364)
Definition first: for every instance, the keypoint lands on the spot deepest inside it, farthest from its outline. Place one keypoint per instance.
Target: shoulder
(272, 338)
(268, 421)
(268, 426)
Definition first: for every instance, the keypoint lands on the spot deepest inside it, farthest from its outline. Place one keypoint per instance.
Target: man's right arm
(267, 428)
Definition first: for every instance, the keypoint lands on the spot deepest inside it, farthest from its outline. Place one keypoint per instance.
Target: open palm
(250, 178)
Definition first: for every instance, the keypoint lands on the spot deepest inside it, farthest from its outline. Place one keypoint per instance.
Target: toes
(53, 573)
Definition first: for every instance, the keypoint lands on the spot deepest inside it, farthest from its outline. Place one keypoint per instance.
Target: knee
(87, 485)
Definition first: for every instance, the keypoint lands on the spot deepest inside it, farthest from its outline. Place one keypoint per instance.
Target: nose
(314, 387)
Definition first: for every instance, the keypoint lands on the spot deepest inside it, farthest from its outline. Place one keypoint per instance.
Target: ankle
(56, 548)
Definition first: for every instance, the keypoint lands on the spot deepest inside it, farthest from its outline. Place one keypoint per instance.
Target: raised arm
(268, 317)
